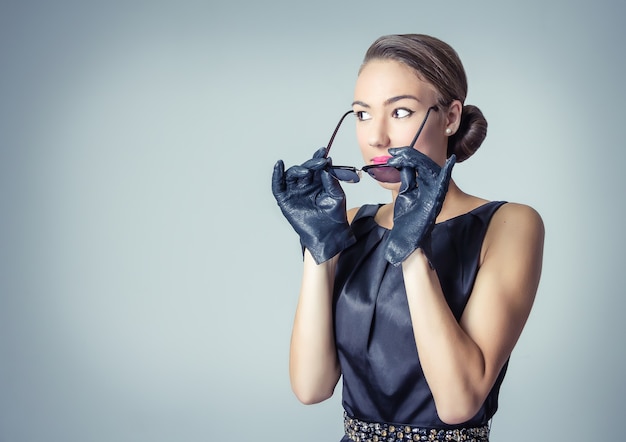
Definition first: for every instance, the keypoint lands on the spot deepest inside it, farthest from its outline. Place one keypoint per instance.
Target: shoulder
(506, 283)
(514, 216)
(514, 229)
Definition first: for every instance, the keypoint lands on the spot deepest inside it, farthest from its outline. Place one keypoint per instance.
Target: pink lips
(381, 160)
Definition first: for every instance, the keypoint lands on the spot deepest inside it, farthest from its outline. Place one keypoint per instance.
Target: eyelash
(360, 114)
(408, 111)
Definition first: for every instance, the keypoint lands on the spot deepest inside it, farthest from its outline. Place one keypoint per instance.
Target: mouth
(381, 159)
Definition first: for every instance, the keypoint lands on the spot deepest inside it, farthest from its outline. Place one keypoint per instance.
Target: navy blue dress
(382, 377)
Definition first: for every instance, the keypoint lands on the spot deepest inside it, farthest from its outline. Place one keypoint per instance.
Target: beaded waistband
(361, 431)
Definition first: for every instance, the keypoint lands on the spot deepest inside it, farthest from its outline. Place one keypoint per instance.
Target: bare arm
(313, 365)
(461, 361)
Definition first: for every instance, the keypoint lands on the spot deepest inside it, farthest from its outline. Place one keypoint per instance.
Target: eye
(402, 113)
(362, 115)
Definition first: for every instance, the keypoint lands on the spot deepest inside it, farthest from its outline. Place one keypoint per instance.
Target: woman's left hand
(423, 188)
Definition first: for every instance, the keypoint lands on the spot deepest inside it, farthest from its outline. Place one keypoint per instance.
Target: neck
(452, 200)
(456, 203)
(450, 208)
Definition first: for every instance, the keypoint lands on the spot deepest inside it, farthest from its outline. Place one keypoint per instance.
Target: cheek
(361, 139)
(431, 143)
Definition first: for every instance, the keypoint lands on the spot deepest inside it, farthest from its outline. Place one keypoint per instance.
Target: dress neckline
(452, 219)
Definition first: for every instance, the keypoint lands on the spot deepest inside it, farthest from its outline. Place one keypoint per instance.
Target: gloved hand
(418, 203)
(315, 205)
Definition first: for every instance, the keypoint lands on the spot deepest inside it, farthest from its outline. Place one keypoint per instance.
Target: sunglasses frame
(370, 168)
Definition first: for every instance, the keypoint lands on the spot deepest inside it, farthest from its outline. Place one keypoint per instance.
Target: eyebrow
(389, 100)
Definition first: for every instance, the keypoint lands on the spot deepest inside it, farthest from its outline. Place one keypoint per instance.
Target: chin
(390, 186)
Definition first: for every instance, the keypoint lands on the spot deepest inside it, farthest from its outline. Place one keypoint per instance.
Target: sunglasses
(380, 172)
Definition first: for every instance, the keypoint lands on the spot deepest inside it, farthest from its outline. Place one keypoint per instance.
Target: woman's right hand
(315, 205)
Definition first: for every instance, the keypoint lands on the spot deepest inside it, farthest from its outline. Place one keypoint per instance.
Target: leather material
(315, 205)
(423, 188)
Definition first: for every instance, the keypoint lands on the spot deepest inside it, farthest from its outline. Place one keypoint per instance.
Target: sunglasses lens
(347, 174)
(384, 174)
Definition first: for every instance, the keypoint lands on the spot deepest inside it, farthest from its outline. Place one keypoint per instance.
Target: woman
(417, 303)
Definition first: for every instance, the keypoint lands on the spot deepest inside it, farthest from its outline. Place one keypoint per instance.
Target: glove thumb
(278, 178)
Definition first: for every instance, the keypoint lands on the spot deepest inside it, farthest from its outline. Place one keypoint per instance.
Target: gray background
(147, 278)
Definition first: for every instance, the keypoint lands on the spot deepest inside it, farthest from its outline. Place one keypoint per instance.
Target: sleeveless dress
(382, 376)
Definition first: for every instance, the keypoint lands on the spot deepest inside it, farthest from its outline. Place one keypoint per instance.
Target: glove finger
(426, 166)
(400, 159)
(407, 156)
(444, 177)
(450, 162)
(278, 178)
(315, 163)
(396, 158)
(332, 186)
(407, 178)
(401, 156)
(294, 176)
(320, 153)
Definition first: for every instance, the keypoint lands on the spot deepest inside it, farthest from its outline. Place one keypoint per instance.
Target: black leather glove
(315, 205)
(419, 201)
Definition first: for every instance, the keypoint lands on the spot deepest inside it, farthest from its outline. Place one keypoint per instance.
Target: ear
(453, 116)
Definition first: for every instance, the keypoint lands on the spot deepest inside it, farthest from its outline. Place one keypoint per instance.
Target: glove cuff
(398, 248)
(322, 249)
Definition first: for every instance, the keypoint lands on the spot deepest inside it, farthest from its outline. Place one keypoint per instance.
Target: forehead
(383, 79)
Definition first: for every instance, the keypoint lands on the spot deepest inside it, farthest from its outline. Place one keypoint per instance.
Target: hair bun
(470, 135)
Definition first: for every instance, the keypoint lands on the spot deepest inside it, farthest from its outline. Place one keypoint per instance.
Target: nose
(378, 135)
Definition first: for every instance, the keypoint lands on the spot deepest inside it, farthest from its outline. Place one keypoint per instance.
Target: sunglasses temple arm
(332, 138)
(419, 131)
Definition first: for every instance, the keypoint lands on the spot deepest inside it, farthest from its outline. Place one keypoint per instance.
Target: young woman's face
(390, 103)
